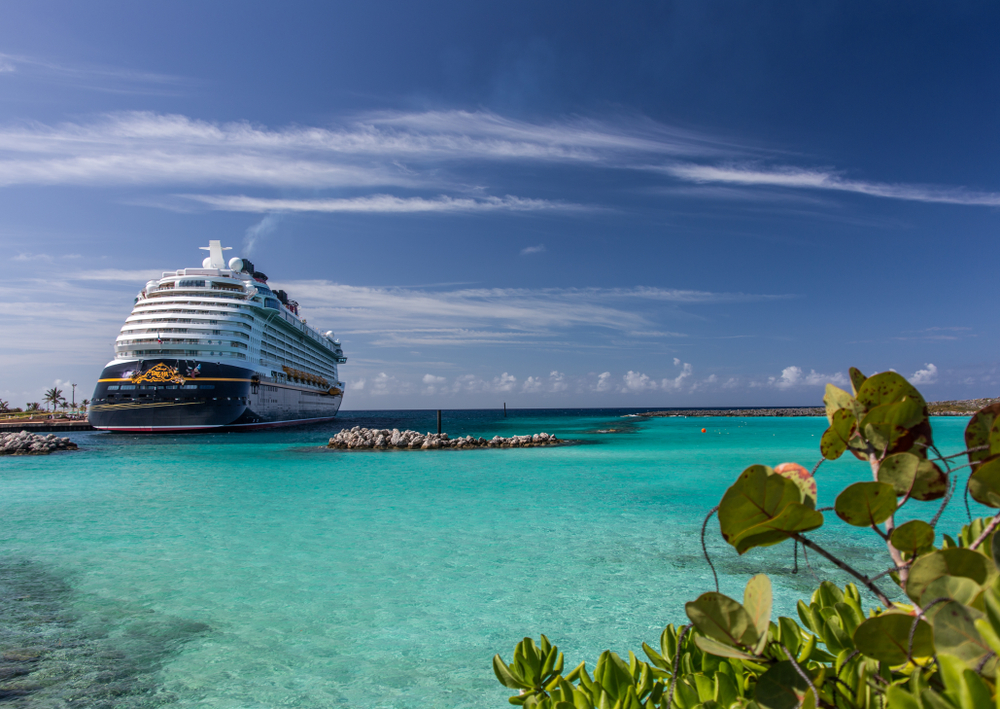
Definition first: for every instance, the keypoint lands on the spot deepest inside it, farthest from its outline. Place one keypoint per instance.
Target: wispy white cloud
(384, 203)
(797, 178)
(426, 151)
(528, 250)
(92, 77)
(470, 316)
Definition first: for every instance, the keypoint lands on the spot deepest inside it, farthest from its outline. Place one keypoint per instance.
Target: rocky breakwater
(358, 438)
(25, 443)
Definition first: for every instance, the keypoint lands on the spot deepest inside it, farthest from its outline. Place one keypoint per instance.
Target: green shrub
(938, 651)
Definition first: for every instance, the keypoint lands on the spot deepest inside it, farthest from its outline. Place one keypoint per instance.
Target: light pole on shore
(74, 396)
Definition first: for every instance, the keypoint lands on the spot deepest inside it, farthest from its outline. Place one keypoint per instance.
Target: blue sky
(548, 204)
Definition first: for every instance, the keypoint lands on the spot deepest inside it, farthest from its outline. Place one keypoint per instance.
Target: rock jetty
(25, 443)
(359, 438)
(790, 411)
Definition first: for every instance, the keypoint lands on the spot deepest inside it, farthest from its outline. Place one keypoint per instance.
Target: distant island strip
(937, 408)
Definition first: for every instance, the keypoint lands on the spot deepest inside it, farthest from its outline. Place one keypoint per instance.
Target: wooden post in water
(505, 409)
(439, 420)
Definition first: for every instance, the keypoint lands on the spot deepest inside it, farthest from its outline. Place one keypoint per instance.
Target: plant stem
(868, 583)
(986, 532)
(890, 524)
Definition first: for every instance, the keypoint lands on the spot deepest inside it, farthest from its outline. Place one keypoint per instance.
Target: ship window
(207, 386)
(128, 386)
(191, 284)
(112, 387)
(190, 386)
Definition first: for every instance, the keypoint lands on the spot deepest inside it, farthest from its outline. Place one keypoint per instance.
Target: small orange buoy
(703, 430)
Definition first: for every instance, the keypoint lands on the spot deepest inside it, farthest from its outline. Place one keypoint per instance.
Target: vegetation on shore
(932, 641)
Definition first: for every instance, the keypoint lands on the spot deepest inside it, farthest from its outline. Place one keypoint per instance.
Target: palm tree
(4, 406)
(83, 406)
(53, 396)
(33, 406)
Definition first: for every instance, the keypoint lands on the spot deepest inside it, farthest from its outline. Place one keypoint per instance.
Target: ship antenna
(215, 257)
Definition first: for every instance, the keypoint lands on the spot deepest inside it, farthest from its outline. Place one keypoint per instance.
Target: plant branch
(704, 547)
(802, 674)
(845, 567)
(959, 454)
(986, 532)
(944, 502)
(677, 662)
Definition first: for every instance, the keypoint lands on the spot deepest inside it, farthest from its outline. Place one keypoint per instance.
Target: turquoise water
(261, 570)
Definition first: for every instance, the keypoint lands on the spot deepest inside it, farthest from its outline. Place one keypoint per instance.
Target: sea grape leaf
(836, 399)
(857, 379)
(843, 425)
(887, 388)
(955, 634)
(886, 637)
(722, 619)
(781, 687)
(793, 519)
(982, 431)
(956, 561)
(913, 537)
(959, 588)
(888, 426)
(801, 477)
(714, 647)
(908, 473)
(762, 508)
(831, 445)
(984, 485)
(866, 504)
(757, 600)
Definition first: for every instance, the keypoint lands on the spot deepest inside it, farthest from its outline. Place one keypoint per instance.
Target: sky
(560, 204)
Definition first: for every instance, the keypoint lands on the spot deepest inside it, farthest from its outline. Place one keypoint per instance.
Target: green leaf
(723, 619)
(908, 473)
(887, 388)
(913, 537)
(866, 504)
(899, 470)
(843, 426)
(982, 431)
(955, 634)
(757, 601)
(801, 477)
(504, 675)
(898, 698)
(781, 687)
(836, 399)
(887, 427)
(959, 588)
(886, 638)
(955, 561)
(831, 445)
(857, 379)
(762, 508)
(963, 686)
(714, 647)
(984, 485)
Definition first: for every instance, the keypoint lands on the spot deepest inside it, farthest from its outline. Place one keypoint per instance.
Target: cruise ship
(215, 348)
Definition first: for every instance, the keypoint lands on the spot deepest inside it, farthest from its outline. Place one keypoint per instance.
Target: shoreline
(960, 407)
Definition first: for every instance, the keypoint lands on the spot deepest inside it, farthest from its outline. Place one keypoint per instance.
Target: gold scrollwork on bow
(158, 374)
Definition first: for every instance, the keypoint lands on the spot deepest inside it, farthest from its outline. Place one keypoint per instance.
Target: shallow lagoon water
(261, 570)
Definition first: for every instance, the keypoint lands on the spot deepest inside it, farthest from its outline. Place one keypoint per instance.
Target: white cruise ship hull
(155, 396)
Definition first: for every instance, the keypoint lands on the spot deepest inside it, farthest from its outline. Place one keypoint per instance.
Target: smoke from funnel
(259, 231)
